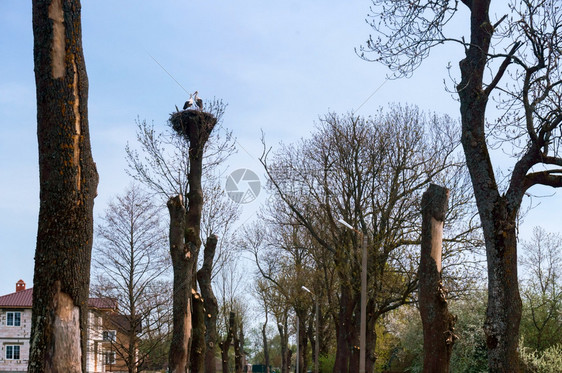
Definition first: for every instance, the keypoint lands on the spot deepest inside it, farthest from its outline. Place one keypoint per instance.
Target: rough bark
(225, 345)
(198, 348)
(181, 256)
(68, 183)
(195, 127)
(210, 302)
(497, 212)
(438, 323)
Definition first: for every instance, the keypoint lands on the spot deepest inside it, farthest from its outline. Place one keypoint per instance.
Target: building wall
(15, 335)
(20, 335)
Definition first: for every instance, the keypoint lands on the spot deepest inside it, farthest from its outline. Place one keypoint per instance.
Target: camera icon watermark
(243, 186)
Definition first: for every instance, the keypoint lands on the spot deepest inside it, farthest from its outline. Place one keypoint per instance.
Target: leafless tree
(132, 266)
(68, 185)
(511, 56)
(371, 173)
(175, 165)
(541, 288)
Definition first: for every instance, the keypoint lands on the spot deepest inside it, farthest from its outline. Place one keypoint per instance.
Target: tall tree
(130, 260)
(370, 172)
(514, 60)
(178, 165)
(68, 184)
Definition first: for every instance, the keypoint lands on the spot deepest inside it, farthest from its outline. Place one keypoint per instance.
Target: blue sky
(278, 65)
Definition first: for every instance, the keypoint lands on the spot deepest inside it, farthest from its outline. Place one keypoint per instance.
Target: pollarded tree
(512, 56)
(131, 265)
(370, 172)
(68, 185)
(175, 165)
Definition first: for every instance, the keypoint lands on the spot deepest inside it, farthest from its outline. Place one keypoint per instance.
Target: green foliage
(326, 363)
(547, 361)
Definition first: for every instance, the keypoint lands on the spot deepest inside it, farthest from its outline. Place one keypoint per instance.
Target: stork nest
(193, 125)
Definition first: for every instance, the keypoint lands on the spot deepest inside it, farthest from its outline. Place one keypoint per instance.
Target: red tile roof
(23, 299)
(19, 299)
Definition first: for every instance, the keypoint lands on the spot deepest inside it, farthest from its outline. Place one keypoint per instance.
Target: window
(12, 352)
(109, 335)
(13, 318)
(110, 358)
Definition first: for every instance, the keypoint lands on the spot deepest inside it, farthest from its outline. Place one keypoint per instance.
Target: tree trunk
(225, 345)
(197, 357)
(195, 127)
(210, 302)
(497, 213)
(347, 341)
(181, 332)
(285, 352)
(265, 347)
(438, 323)
(238, 347)
(68, 183)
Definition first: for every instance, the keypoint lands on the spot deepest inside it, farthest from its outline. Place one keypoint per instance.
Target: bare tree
(370, 172)
(68, 186)
(180, 179)
(131, 265)
(542, 289)
(512, 59)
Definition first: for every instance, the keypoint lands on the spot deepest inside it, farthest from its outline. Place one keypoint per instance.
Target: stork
(198, 101)
(189, 102)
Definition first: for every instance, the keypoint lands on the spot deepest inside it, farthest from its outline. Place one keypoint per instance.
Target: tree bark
(181, 256)
(438, 323)
(197, 361)
(238, 337)
(225, 345)
(265, 345)
(68, 184)
(497, 213)
(195, 126)
(210, 302)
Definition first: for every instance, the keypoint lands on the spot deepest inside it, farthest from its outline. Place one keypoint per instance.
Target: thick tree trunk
(497, 213)
(347, 336)
(438, 323)
(285, 352)
(181, 256)
(68, 183)
(197, 357)
(210, 302)
(225, 345)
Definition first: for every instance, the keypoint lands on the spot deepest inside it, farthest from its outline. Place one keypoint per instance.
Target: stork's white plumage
(198, 101)
(189, 102)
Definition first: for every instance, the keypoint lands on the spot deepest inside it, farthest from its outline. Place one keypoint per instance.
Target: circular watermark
(243, 186)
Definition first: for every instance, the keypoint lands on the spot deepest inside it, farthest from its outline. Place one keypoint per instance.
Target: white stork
(189, 102)
(198, 101)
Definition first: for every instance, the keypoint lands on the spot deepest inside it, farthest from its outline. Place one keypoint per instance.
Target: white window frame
(109, 357)
(13, 349)
(13, 313)
(109, 335)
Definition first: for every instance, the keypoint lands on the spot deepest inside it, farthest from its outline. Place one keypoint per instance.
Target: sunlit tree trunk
(438, 323)
(68, 183)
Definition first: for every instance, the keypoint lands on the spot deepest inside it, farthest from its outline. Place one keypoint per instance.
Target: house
(15, 329)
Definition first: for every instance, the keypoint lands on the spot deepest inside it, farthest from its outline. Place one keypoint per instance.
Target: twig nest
(193, 125)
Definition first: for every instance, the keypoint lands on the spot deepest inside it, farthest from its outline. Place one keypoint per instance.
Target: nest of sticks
(193, 125)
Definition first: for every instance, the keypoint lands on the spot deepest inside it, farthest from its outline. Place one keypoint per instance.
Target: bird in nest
(189, 102)
(198, 101)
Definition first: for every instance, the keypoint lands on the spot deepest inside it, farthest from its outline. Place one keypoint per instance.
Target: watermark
(243, 186)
